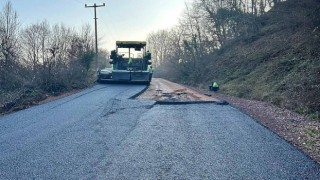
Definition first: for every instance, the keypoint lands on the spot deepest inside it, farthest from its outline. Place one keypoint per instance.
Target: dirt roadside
(28, 102)
(163, 90)
(301, 131)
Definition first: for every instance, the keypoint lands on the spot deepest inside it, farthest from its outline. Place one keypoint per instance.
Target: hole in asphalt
(191, 102)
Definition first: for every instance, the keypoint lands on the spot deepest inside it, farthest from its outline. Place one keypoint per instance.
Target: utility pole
(96, 33)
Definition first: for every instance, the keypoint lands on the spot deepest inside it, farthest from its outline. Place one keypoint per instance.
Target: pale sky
(118, 20)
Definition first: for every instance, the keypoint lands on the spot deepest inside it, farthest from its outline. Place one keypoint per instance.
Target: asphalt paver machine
(130, 63)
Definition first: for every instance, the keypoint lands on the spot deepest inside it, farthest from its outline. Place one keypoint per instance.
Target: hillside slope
(279, 64)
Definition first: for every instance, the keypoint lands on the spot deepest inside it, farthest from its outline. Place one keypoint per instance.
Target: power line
(96, 33)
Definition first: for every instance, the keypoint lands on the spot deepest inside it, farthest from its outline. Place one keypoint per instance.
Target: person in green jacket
(214, 87)
(130, 61)
(150, 69)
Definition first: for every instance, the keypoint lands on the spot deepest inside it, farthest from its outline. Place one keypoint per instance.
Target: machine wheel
(99, 81)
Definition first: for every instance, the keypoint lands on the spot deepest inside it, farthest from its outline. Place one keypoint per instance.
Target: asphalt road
(101, 133)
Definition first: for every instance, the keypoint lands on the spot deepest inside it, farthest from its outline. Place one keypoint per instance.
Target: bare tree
(9, 46)
(35, 39)
(57, 55)
(159, 44)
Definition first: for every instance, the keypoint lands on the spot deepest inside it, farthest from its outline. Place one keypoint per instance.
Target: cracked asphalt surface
(101, 133)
